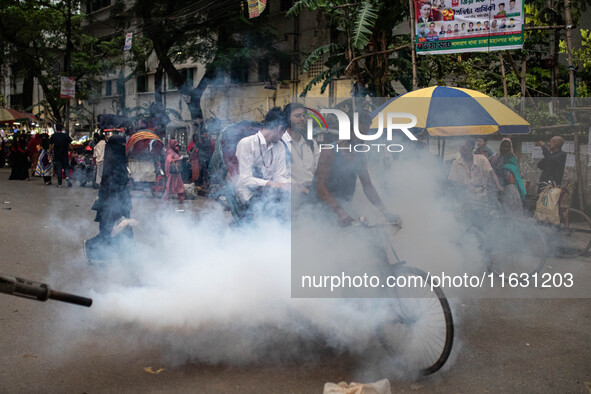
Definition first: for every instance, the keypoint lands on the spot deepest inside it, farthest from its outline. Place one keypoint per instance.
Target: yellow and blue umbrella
(448, 111)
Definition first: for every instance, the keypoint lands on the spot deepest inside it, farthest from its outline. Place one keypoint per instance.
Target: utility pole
(68, 57)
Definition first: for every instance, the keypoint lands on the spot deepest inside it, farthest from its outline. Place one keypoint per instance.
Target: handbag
(547, 209)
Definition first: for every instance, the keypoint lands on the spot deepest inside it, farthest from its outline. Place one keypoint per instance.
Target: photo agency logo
(362, 137)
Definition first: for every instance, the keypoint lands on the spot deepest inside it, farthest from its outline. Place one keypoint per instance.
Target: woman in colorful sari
(172, 165)
(34, 150)
(44, 165)
(504, 162)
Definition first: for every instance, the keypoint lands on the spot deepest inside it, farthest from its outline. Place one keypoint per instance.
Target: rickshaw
(144, 162)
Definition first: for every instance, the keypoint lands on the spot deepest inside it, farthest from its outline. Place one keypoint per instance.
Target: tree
(215, 34)
(363, 24)
(38, 43)
(362, 46)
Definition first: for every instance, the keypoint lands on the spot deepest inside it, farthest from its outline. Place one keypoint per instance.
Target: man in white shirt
(98, 157)
(303, 154)
(261, 159)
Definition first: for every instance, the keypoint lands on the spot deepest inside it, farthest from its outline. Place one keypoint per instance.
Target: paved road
(502, 345)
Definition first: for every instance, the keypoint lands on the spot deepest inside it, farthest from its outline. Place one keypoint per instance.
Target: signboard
(128, 39)
(453, 26)
(68, 88)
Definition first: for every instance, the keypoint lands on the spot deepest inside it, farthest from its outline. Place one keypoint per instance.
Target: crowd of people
(278, 163)
(477, 170)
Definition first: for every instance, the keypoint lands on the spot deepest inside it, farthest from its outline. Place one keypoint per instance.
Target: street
(131, 341)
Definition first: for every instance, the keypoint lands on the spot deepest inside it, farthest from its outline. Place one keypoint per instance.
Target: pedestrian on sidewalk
(61, 146)
(172, 165)
(44, 166)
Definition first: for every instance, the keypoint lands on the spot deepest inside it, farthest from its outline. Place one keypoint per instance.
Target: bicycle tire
(422, 319)
(573, 233)
(520, 248)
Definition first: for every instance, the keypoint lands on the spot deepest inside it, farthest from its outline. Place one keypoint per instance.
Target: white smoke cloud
(212, 293)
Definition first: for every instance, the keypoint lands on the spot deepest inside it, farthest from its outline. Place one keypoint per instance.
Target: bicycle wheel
(515, 246)
(573, 235)
(419, 328)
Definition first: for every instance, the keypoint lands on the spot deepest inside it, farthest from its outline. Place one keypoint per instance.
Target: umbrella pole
(438, 146)
(442, 150)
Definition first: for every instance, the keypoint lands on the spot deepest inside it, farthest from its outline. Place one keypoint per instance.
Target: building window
(120, 86)
(189, 74)
(142, 83)
(317, 67)
(285, 70)
(95, 5)
(263, 70)
(239, 72)
(108, 88)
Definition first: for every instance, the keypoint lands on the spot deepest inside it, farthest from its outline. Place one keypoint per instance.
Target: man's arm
(280, 174)
(496, 180)
(325, 163)
(316, 153)
(491, 173)
(245, 162)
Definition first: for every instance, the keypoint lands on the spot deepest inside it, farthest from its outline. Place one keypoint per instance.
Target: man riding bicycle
(337, 173)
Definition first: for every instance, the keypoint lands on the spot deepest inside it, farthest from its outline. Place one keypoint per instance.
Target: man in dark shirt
(61, 146)
(337, 174)
(206, 146)
(552, 165)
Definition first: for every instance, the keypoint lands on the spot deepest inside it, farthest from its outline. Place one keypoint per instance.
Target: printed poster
(453, 26)
(256, 8)
(128, 39)
(68, 88)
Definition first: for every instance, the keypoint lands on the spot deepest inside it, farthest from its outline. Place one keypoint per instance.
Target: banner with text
(453, 26)
(68, 88)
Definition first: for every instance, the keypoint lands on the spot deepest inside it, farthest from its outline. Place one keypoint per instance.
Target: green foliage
(363, 49)
(582, 64)
(215, 34)
(33, 38)
(317, 54)
(364, 23)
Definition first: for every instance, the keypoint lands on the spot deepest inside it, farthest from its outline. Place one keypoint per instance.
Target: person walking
(112, 204)
(61, 146)
(98, 157)
(20, 159)
(206, 147)
(44, 166)
(172, 165)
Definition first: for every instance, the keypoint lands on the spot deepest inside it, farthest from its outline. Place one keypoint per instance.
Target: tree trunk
(158, 95)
